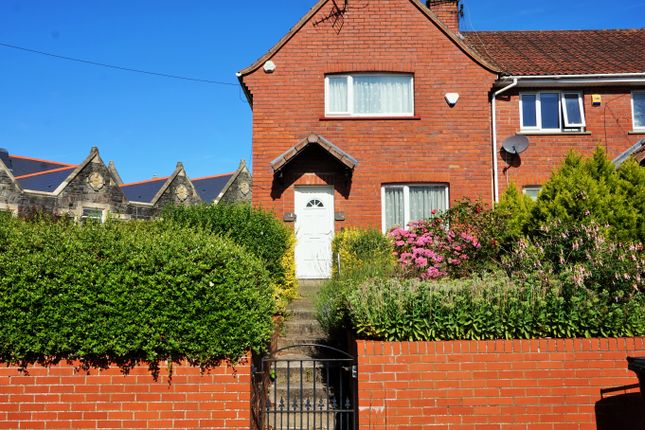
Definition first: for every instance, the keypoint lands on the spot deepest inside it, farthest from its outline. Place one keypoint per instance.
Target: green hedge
(124, 292)
(495, 307)
(259, 231)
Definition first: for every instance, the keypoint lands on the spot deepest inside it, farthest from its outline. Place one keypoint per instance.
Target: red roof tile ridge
(45, 172)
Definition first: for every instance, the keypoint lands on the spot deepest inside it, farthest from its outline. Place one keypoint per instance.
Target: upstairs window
(405, 203)
(369, 94)
(552, 111)
(638, 110)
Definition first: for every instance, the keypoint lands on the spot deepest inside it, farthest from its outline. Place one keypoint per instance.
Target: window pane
(572, 109)
(532, 192)
(425, 199)
(383, 94)
(92, 213)
(337, 97)
(639, 110)
(394, 211)
(529, 113)
(550, 110)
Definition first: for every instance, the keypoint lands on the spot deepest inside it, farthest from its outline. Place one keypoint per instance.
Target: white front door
(314, 231)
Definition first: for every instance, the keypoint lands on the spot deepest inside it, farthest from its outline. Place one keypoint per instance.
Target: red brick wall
(608, 125)
(65, 397)
(442, 144)
(517, 384)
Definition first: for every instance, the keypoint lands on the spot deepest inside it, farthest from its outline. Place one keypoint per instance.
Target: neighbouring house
(375, 113)
(95, 190)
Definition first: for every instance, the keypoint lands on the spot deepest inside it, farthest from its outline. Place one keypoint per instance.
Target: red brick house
(375, 113)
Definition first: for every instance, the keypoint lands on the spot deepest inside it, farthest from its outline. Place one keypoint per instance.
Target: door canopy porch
(292, 153)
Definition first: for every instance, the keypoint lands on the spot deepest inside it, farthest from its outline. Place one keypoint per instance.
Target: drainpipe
(494, 144)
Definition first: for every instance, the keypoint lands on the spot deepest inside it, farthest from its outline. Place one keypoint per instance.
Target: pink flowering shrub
(430, 249)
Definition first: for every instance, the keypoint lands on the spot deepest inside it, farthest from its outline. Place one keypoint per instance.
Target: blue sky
(55, 109)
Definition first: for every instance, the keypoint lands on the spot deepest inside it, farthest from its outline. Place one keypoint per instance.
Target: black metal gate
(305, 387)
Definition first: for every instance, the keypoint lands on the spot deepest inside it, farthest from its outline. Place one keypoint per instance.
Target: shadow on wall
(313, 160)
(621, 411)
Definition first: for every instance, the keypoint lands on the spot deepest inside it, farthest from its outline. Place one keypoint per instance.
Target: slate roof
(46, 181)
(143, 191)
(209, 187)
(21, 166)
(565, 52)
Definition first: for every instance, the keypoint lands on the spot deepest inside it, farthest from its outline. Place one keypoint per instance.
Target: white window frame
(406, 200)
(636, 127)
(350, 96)
(563, 115)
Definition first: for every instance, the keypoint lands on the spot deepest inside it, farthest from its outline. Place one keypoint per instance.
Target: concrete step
(302, 326)
(318, 420)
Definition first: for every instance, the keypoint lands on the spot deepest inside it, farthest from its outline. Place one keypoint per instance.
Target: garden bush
(361, 254)
(461, 242)
(357, 250)
(493, 307)
(581, 188)
(259, 231)
(581, 255)
(125, 292)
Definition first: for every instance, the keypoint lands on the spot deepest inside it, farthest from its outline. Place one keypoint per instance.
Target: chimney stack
(447, 11)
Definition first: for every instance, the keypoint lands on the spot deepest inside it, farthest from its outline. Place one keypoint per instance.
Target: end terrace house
(375, 113)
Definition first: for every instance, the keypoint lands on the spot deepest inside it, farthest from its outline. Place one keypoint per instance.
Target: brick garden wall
(65, 397)
(519, 384)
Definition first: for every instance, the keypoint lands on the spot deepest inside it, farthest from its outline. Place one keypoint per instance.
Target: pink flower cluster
(429, 250)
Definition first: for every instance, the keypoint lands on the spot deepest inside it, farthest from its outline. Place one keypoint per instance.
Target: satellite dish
(515, 144)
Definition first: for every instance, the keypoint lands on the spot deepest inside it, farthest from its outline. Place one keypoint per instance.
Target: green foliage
(593, 187)
(124, 292)
(259, 231)
(358, 250)
(363, 254)
(515, 207)
(494, 307)
(581, 255)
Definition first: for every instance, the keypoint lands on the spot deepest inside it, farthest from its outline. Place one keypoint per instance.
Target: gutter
(576, 80)
(494, 142)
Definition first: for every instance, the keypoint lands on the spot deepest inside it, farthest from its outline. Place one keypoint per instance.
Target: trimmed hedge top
(124, 292)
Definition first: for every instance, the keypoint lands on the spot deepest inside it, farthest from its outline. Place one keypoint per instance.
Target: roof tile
(566, 52)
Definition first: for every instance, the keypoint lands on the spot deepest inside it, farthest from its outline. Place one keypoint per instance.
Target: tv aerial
(515, 144)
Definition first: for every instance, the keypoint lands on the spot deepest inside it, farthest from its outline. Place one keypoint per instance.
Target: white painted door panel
(314, 207)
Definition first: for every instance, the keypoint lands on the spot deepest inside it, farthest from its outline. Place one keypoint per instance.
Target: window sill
(636, 132)
(552, 133)
(370, 118)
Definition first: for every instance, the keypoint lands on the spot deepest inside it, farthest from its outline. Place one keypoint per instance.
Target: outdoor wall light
(452, 98)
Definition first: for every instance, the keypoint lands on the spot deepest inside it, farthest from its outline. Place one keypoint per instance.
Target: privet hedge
(124, 292)
(259, 231)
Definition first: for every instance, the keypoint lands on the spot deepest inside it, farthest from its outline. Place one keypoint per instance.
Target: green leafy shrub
(361, 254)
(124, 292)
(358, 250)
(515, 207)
(581, 188)
(582, 255)
(494, 307)
(259, 231)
